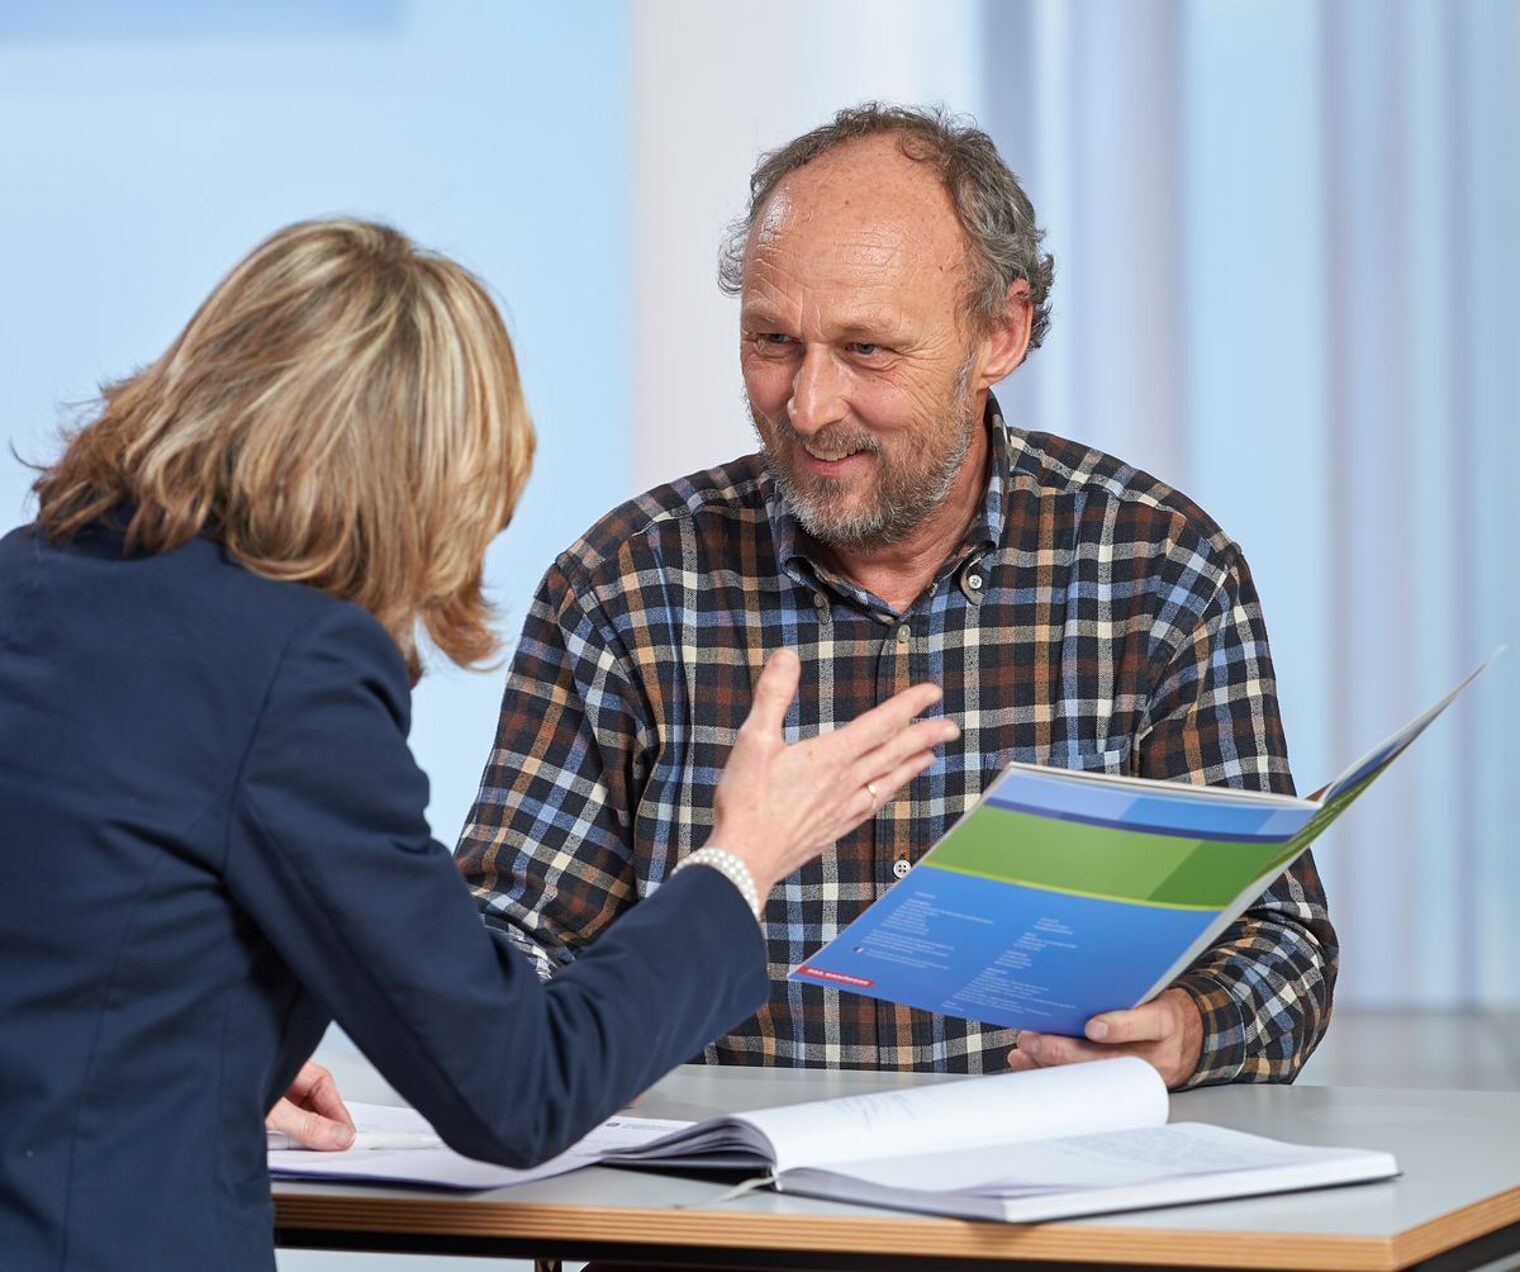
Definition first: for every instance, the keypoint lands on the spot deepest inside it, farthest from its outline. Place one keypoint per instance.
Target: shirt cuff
(1223, 1054)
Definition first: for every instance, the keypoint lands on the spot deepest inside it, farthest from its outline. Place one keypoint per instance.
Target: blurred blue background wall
(145, 147)
(1286, 278)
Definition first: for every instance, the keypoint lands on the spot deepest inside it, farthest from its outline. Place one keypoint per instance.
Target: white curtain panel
(1287, 278)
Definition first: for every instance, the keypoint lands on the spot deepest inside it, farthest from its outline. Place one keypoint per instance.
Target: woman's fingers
(873, 727)
(316, 1089)
(309, 1128)
(779, 805)
(904, 773)
(312, 1112)
(888, 784)
(925, 735)
(777, 687)
(774, 692)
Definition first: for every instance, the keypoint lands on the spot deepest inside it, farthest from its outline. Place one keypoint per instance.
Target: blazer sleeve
(329, 853)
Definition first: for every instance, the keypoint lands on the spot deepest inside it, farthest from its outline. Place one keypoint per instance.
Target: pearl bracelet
(731, 868)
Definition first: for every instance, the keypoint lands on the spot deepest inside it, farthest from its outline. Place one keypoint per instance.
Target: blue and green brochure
(1064, 894)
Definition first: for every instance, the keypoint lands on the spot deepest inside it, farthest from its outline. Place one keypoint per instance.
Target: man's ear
(1005, 343)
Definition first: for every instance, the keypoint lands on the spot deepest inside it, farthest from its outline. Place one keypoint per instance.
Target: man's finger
(1150, 1022)
(1049, 1049)
(774, 692)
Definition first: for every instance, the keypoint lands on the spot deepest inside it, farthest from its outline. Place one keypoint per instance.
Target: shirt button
(974, 582)
(820, 601)
(901, 866)
(904, 634)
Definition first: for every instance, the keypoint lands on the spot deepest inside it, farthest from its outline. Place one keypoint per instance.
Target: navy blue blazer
(211, 842)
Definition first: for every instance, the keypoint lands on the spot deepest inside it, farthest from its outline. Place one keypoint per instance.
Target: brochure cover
(1063, 894)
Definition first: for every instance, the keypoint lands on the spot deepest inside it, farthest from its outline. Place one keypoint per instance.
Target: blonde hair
(343, 411)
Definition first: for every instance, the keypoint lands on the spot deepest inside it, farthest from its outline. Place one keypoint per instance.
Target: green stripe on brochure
(936, 864)
(1100, 861)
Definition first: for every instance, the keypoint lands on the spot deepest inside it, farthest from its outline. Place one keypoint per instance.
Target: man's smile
(835, 461)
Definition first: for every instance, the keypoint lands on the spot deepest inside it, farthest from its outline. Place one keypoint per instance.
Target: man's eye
(774, 338)
(865, 348)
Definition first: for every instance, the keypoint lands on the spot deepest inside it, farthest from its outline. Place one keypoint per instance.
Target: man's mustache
(833, 438)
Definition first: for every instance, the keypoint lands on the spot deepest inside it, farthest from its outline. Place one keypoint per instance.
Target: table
(1457, 1205)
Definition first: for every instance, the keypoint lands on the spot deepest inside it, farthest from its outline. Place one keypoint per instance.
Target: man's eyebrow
(869, 323)
(876, 323)
(758, 316)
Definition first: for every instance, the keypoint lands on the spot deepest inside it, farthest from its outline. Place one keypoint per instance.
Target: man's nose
(818, 393)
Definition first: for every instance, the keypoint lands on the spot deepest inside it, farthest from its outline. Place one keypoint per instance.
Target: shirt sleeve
(548, 847)
(1264, 988)
(329, 854)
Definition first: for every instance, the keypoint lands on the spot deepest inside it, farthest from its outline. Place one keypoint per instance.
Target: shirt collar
(984, 532)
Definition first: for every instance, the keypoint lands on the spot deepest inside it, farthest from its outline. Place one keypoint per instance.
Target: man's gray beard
(902, 503)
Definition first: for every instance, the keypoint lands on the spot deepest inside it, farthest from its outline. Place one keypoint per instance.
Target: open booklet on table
(438, 1166)
(1051, 1143)
(1064, 894)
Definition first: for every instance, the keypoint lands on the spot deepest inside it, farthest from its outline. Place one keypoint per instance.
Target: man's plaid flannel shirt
(1093, 618)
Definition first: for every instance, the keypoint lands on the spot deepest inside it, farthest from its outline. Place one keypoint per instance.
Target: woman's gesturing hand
(780, 805)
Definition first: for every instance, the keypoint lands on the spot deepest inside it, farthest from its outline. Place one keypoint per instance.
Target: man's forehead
(864, 202)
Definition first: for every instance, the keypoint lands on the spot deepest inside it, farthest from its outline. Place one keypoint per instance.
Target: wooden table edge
(1435, 1236)
(887, 1233)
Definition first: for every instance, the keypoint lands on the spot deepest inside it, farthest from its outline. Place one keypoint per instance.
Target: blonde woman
(211, 830)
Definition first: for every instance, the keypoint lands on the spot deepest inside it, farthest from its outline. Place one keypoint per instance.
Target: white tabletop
(1460, 1154)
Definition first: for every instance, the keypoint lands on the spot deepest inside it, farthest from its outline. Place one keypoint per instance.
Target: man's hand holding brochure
(1062, 895)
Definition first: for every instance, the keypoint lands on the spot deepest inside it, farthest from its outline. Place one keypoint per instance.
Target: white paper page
(1002, 1108)
(1151, 1154)
(386, 1117)
(720, 1143)
(442, 1167)
(1124, 1159)
(432, 1167)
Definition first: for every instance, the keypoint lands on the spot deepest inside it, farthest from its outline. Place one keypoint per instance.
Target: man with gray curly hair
(892, 528)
